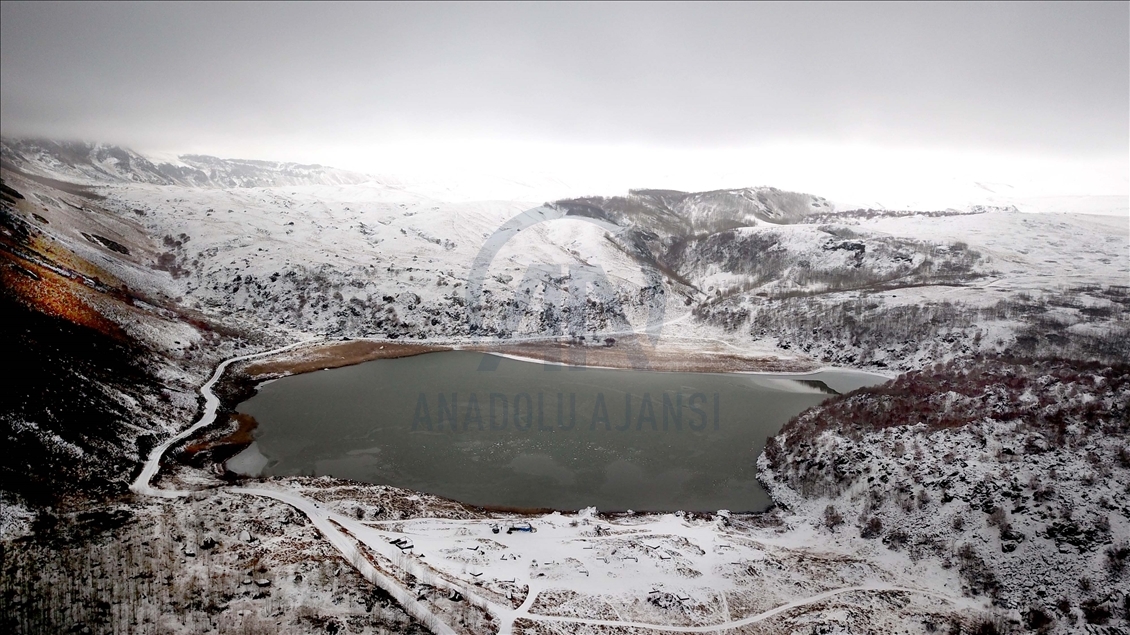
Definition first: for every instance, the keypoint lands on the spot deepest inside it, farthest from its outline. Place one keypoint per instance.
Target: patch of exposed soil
(333, 355)
(223, 447)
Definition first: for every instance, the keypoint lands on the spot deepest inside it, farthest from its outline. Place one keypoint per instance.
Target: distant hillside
(690, 213)
(99, 164)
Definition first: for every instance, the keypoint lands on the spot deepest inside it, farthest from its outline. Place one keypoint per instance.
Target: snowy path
(211, 404)
(327, 521)
(321, 519)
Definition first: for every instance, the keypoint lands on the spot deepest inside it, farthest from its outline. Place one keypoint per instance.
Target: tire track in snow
(752, 619)
(354, 557)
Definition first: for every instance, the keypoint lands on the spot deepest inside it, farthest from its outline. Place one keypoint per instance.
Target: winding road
(142, 484)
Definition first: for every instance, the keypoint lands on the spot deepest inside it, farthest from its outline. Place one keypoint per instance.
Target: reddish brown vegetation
(233, 442)
(42, 289)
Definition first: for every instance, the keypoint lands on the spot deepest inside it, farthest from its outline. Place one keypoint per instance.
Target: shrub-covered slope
(102, 361)
(1016, 472)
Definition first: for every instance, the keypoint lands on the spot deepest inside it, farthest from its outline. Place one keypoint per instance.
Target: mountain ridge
(88, 163)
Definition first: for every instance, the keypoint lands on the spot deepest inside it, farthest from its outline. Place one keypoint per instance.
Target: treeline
(867, 332)
(775, 266)
(867, 214)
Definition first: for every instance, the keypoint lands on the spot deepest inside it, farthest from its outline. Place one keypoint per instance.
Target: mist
(855, 101)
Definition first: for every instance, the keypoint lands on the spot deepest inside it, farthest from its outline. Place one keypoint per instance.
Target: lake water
(522, 434)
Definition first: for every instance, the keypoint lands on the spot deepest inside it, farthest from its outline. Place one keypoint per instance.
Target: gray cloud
(1018, 76)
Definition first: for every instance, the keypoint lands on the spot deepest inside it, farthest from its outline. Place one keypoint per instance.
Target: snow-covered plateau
(982, 490)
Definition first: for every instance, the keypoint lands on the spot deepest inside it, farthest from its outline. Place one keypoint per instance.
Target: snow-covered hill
(133, 278)
(365, 260)
(95, 163)
(763, 270)
(1015, 474)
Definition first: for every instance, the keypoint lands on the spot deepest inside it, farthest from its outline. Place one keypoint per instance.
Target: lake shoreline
(244, 379)
(491, 430)
(627, 353)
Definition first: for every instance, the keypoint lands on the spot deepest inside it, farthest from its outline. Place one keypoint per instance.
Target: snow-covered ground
(381, 257)
(366, 260)
(670, 573)
(201, 274)
(1014, 475)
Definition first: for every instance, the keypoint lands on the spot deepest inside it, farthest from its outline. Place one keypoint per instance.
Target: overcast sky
(357, 84)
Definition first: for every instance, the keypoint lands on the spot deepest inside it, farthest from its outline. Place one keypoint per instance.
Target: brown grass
(334, 355)
(240, 438)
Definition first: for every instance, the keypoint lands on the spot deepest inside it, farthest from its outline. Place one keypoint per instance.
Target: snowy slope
(391, 258)
(191, 273)
(1012, 474)
(90, 163)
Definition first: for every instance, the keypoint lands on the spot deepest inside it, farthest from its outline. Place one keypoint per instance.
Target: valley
(151, 299)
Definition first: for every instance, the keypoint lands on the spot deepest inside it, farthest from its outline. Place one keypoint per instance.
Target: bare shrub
(1116, 557)
(871, 529)
(1124, 456)
(989, 627)
(923, 498)
(832, 518)
(896, 539)
(1102, 523)
(978, 575)
(1095, 612)
(1042, 493)
(997, 517)
(1037, 620)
